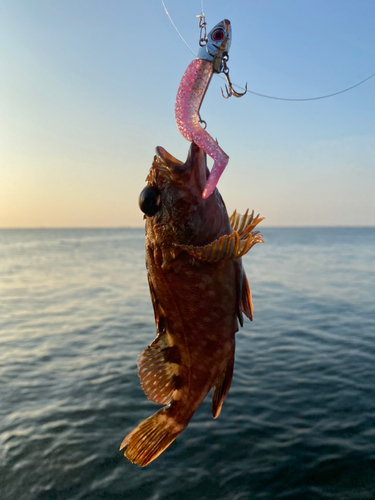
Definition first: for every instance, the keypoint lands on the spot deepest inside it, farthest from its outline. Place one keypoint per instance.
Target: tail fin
(152, 436)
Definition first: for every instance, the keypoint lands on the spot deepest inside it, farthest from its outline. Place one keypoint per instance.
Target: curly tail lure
(212, 58)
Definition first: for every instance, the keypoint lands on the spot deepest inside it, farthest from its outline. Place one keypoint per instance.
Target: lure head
(218, 44)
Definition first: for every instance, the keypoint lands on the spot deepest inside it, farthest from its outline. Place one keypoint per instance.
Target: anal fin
(221, 388)
(158, 369)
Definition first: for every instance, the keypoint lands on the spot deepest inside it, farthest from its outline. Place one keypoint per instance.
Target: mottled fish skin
(199, 291)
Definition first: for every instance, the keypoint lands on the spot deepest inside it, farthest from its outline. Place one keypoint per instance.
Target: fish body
(192, 89)
(199, 291)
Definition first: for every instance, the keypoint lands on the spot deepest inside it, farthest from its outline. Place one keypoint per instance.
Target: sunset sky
(87, 91)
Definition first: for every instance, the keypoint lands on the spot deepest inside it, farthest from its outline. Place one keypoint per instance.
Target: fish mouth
(166, 160)
(192, 174)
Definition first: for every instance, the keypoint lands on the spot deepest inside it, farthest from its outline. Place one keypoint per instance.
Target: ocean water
(299, 420)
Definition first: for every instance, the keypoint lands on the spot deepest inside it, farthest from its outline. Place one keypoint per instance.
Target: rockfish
(199, 292)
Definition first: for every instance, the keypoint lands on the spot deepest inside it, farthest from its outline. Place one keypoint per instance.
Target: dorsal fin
(244, 224)
(246, 300)
(233, 245)
(221, 387)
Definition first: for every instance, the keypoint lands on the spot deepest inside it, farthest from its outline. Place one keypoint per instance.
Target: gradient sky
(87, 91)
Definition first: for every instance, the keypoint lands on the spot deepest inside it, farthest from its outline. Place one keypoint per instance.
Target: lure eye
(149, 200)
(217, 35)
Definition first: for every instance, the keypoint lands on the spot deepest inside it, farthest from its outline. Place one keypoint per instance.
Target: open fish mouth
(193, 173)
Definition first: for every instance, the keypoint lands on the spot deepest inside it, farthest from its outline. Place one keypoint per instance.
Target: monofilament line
(307, 98)
(175, 27)
(265, 95)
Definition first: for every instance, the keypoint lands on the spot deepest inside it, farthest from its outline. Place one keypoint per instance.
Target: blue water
(298, 423)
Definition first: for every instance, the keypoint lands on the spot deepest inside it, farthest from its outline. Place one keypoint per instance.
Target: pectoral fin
(158, 369)
(221, 388)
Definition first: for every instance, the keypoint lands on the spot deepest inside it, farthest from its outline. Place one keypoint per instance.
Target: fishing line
(175, 27)
(307, 98)
(265, 95)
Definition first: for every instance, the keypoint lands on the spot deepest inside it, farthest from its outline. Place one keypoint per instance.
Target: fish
(211, 59)
(199, 292)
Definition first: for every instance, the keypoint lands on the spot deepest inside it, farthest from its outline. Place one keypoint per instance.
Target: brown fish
(199, 291)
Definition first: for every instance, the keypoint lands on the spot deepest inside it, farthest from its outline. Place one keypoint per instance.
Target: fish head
(218, 44)
(172, 202)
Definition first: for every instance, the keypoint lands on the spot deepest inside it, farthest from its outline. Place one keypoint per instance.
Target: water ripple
(298, 422)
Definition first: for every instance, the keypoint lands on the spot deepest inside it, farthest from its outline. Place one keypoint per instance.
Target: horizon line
(336, 226)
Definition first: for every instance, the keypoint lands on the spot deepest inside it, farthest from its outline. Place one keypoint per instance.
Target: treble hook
(229, 88)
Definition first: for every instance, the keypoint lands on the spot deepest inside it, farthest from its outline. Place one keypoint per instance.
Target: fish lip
(168, 162)
(197, 164)
(192, 174)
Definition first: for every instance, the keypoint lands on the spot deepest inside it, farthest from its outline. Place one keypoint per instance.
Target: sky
(87, 91)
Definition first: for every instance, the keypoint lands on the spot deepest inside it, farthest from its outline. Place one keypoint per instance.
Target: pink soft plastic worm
(189, 98)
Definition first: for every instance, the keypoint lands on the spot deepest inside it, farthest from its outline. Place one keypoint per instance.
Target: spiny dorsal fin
(221, 388)
(158, 368)
(222, 248)
(226, 247)
(233, 245)
(244, 224)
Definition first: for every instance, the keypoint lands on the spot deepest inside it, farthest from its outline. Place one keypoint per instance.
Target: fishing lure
(212, 58)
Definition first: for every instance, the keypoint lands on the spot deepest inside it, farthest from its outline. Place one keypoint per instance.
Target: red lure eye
(217, 35)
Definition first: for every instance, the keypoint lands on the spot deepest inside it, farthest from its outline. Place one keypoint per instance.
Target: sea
(298, 422)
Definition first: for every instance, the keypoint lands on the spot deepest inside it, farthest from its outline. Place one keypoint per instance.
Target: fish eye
(149, 200)
(217, 35)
